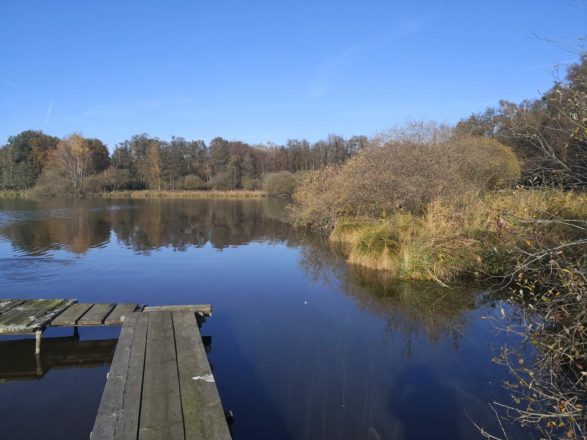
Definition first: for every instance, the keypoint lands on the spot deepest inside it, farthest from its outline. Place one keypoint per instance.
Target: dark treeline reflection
(35, 227)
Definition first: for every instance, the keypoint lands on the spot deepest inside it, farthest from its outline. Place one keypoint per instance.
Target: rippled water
(303, 346)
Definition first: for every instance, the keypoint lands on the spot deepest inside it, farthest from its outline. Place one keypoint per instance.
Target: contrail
(48, 114)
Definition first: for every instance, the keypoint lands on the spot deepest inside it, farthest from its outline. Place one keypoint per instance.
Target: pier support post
(38, 335)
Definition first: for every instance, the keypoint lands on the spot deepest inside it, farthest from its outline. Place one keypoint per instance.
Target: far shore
(143, 194)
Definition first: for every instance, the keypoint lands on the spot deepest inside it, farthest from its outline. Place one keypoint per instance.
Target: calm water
(303, 346)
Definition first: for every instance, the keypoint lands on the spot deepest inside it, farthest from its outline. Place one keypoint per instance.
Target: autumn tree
(73, 158)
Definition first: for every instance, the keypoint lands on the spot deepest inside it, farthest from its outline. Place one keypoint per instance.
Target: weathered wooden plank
(32, 315)
(6, 304)
(112, 398)
(117, 315)
(127, 425)
(70, 316)
(18, 315)
(204, 309)
(202, 409)
(53, 312)
(96, 315)
(161, 415)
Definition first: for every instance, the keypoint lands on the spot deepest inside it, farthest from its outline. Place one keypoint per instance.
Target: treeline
(76, 164)
(549, 134)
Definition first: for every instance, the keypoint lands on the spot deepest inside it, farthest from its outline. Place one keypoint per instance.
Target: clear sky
(270, 70)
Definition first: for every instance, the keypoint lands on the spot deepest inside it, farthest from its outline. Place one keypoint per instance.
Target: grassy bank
(11, 194)
(469, 237)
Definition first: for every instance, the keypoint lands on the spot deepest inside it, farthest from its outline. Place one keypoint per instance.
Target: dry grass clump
(410, 246)
(466, 237)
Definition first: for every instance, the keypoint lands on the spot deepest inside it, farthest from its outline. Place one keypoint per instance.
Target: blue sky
(270, 70)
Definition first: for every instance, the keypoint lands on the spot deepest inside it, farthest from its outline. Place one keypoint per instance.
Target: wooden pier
(160, 384)
(33, 316)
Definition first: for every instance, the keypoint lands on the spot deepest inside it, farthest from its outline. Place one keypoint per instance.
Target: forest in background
(74, 164)
(546, 134)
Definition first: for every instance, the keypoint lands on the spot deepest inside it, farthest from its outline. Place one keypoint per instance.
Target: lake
(303, 346)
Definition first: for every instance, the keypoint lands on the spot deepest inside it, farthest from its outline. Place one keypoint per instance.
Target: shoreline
(147, 194)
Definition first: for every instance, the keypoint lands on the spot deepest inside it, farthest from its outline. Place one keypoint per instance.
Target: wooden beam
(127, 425)
(70, 317)
(204, 309)
(38, 335)
(117, 315)
(96, 315)
(202, 409)
(112, 398)
(161, 415)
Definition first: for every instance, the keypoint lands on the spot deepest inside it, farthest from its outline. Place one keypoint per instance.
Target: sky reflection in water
(303, 346)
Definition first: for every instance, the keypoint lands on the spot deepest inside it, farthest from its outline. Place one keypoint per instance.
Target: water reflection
(20, 363)
(38, 227)
(306, 346)
(409, 308)
(77, 225)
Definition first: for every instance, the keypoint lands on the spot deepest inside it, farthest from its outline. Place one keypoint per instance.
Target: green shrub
(96, 183)
(280, 184)
(51, 182)
(224, 181)
(193, 182)
(251, 184)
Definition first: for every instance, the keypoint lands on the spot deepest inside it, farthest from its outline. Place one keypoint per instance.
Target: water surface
(303, 346)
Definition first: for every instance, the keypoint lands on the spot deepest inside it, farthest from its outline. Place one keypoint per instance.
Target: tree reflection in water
(410, 308)
(38, 227)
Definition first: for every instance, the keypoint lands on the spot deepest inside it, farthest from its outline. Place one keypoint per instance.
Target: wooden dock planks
(160, 385)
(70, 316)
(117, 390)
(96, 315)
(81, 315)
(116, 317)
(29, 316)
(161, 416)
(8, 303)
(199, 397)
(128, 426)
